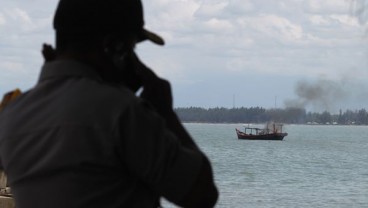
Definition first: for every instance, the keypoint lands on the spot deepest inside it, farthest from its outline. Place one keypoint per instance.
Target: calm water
(315, 166)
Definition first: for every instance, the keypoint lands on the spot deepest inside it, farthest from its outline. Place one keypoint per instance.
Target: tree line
(262, 115)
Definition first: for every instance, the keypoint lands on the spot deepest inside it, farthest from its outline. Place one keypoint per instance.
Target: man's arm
(204, 192)
(158, 92)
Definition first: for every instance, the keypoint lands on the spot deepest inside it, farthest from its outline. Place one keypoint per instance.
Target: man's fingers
(48, 52)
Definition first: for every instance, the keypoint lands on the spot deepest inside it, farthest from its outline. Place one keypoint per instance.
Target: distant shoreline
(296, 124)
(260, 115)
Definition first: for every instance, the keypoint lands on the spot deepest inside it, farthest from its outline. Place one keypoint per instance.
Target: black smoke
(321, 95)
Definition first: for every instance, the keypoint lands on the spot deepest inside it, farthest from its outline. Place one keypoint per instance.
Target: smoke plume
(321, 95)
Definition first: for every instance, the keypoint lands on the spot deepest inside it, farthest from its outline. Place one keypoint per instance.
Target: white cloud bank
(240, 42)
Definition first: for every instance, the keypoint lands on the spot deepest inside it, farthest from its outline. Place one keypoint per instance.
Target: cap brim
(147, 35)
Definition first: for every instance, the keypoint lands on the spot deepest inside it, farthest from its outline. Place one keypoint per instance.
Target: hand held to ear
(48, 52)
(155, 90)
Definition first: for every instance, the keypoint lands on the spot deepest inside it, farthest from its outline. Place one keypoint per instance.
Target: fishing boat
(272, 131)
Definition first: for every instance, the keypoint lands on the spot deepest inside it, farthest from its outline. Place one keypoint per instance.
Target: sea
(315, 166)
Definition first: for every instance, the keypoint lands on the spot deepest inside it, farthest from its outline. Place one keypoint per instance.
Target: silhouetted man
(82, 138)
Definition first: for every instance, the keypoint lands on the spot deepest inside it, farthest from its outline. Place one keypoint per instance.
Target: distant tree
(362, 117)
(325, 118)
(350, 117)
(341, 118)
(261, 115)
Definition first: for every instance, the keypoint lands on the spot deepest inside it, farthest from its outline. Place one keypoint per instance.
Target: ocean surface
(314, 166)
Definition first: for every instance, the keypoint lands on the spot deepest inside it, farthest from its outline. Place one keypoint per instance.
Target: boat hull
(271, 136)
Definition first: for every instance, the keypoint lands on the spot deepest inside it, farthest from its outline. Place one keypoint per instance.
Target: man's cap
(83, 17)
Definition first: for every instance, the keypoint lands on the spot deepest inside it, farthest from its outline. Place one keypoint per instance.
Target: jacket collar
(67, 68)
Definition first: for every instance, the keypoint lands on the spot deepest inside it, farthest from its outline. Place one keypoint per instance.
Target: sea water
(314, 166)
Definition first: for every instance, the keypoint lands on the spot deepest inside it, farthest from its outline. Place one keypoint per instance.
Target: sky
(224, 53)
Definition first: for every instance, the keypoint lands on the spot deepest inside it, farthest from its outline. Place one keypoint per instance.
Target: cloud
(172, 14)
(277, 27)
(218, 25)
(2, 19)
(25, 26)
(327, 6)
(209, 40)
(334, 21)
(19, 15)
(210, 10)
(264, 37)
(240, 7)
(11, 66)
(359, 9)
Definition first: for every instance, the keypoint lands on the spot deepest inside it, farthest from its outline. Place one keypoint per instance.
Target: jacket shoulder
(8, 97)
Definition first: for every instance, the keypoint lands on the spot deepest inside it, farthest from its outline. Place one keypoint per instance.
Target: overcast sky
(223, 53)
